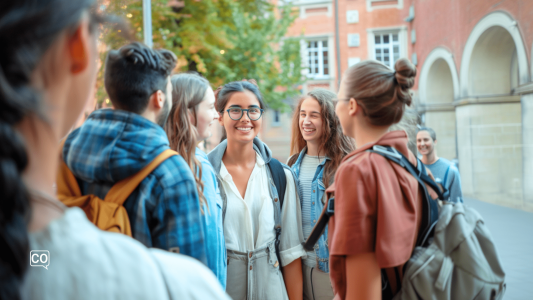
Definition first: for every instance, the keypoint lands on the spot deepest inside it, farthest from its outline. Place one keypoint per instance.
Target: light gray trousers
(317, 285)
(255, 275)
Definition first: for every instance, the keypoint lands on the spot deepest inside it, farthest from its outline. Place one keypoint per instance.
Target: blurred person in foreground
(113, 144)
(192, 114)
(443, 170)
(47, 73)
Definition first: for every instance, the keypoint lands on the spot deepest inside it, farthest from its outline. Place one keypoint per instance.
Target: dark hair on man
(134, 72)
(431, 132)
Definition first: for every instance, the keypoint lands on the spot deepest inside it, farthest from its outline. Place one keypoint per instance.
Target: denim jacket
(317, 199)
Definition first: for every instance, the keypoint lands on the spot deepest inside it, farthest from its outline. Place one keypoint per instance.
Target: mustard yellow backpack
(108, 214)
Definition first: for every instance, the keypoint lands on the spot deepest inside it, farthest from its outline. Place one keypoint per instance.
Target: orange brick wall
(448, 23)
(313, 25)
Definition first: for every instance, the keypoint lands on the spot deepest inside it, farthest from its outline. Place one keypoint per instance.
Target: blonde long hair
(188, 91)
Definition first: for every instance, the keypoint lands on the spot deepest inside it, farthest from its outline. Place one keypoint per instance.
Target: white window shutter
(353, 40)
(352, 16)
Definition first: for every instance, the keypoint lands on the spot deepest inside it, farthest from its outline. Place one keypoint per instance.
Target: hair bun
(405, 73)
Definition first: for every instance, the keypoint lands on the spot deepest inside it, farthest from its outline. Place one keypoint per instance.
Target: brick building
(475, 89)
(473, 86)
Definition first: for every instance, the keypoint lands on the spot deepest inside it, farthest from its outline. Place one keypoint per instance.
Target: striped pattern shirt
(307, 173)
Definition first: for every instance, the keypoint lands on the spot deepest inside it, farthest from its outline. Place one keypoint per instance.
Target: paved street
(512, 233)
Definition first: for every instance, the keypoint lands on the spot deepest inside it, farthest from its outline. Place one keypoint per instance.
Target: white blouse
(249, 222)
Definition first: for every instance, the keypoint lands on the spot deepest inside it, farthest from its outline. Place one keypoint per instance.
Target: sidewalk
(512, 233)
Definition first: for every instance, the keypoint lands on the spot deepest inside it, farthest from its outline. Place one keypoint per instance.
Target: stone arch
(438, 88)
(489, 52)
(488, 113)
(439, 65)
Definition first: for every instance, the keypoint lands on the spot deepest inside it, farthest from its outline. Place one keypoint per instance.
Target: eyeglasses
(236, 113)
(335, 101)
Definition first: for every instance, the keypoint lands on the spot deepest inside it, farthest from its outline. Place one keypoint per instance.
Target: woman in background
(317, 148)
(189, 123)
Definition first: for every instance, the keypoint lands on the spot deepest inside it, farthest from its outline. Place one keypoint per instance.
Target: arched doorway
(489, 120)
(438, 90)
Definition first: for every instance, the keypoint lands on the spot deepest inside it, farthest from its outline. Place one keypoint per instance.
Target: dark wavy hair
(28, 28)
(333, 143)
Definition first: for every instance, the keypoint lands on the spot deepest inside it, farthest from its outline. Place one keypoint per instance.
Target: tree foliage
(224, 40)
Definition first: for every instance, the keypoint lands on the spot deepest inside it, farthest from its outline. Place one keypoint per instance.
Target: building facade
(474, 86)
(475, 90)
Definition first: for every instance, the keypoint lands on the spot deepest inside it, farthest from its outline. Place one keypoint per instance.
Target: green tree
(224, 40)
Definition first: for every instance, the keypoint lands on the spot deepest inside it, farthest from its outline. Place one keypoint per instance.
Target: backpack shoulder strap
(430, 212)
(280, 180)
(122, 189)
(66, 183)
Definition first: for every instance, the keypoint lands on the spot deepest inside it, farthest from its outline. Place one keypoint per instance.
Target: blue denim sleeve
(178, 214)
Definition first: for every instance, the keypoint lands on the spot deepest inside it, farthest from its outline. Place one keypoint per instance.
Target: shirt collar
(302, 154)
(226, 176)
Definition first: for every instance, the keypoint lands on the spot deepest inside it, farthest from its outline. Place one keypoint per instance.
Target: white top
(307, 173)
(249, 222)
(87, 263)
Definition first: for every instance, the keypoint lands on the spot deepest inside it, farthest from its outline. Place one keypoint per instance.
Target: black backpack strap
(320, 226)
(279, 178)
(430, 213)
(280, 181)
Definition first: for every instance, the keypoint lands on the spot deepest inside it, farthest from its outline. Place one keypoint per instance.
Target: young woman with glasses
(256, 228)
(317, 148)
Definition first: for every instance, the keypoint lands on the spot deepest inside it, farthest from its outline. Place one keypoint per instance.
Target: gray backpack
(460, 262)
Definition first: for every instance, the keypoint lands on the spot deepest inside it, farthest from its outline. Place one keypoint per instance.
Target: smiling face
(206, 114)
(311, 121)
(425, 143)
(243, 130)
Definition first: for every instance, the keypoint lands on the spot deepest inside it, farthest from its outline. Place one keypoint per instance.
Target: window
(387, 48)
(383, 4)
(318, 62)
(276, 118)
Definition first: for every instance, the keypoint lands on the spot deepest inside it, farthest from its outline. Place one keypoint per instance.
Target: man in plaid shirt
(113, 144)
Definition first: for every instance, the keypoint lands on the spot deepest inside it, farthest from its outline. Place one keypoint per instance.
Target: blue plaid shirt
(164, 210)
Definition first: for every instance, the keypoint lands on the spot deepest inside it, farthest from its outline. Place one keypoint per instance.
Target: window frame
(320, 55)
(369, 6)
(277, 114)
(402, 42)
